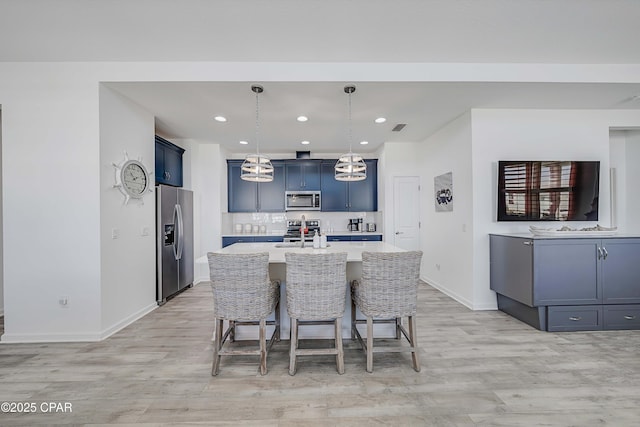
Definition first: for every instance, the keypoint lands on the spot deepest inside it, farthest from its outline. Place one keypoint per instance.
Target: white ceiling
(332, 31)
(186, 110)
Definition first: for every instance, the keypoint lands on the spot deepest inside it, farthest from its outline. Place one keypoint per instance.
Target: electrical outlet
(115, 233)
(144, 231)
(438, 267)
(63, 301)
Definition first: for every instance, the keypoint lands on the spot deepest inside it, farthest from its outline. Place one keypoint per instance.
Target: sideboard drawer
(574, 318)
(622, 316)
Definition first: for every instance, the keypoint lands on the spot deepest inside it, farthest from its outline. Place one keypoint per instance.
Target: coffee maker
(355, 224)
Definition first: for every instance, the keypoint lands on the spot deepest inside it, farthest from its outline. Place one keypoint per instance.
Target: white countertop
(281, 233)
(276, 254)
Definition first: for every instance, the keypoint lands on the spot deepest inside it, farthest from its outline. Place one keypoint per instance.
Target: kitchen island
(277, 270)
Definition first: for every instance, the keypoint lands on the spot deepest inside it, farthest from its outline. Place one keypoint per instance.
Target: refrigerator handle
(180, 236)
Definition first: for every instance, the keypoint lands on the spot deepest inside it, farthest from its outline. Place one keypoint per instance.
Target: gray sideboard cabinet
(567, 284)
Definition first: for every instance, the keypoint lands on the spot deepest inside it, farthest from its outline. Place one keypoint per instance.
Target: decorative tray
(598, 230)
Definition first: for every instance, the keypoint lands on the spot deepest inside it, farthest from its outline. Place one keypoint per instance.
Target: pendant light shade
(350, 166)
(257, 167)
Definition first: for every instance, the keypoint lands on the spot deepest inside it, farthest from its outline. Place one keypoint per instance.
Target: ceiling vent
(398, 127)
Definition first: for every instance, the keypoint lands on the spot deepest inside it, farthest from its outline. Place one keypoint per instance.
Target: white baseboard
(460, 298)
(40, 338)
(199, 280)
(82, 337)
(128, 320)
(448, 292)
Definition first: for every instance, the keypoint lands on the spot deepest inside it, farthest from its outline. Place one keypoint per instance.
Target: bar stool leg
(340, 350)
(369, 344)
(263, 346)
(217, 345)
(294, 346)
(414, 343)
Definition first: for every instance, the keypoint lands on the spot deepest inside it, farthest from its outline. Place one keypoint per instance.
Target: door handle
(600, 252)
(399, 232)
(176, 232)
(181, 234)
(527, 243)
(605, 253)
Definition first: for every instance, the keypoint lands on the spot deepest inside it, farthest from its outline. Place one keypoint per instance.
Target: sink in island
(277, 270)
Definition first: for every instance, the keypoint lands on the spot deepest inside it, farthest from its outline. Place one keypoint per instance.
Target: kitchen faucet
(303, 225)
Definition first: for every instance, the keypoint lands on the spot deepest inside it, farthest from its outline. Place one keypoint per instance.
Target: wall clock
(132, 178)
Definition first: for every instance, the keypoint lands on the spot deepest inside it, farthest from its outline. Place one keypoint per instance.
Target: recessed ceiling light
(364, 142)
(244, 142)
(220, 119)
(302, 118)
(380, 120)
(305, 142)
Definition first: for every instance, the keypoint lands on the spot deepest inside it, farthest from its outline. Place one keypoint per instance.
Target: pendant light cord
(350, 126)
(257, 123)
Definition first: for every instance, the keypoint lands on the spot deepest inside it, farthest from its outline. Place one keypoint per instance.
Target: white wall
(51, 203)
(447, 236)
(1, 246)
(538, 135)
(128, 285)
(618, 176)
(209, 186)
(395, 159)
(632, 178)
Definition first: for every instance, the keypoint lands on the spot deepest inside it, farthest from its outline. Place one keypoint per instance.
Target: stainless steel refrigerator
(174, 247)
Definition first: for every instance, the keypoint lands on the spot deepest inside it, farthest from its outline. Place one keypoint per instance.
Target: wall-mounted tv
(548, 190)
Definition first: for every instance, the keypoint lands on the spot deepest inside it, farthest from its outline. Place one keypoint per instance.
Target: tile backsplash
(276, 222)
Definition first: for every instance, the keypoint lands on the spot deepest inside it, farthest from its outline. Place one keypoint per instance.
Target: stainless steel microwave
(302, 200)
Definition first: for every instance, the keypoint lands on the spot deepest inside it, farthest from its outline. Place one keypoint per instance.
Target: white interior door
(406, 212)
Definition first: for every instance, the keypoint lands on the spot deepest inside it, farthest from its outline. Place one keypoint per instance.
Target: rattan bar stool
(243, 294)
(386, 293)
(316, 289)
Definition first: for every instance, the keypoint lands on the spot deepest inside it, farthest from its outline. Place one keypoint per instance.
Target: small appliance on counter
(355, 224)
(371, 227)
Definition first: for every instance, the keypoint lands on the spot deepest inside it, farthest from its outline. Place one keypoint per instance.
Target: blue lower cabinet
(367, 238)
(230, 240)
(373, 238)
(226, 241)
(338, 238)
(268, 239)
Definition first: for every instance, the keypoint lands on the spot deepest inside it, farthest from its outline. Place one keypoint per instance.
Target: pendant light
(350, 166)
(257, 167)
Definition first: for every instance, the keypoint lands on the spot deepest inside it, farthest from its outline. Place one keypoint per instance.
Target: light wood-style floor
(478, 368)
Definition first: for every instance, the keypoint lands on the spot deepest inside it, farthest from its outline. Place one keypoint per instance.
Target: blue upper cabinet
(341, 196)
(271, 194)
(246, 196)
(302, 175)
(363, 195)
(335, 194)
(168, 164)
(242, 195)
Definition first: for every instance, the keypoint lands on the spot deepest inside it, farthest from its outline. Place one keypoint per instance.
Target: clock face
(134, 179)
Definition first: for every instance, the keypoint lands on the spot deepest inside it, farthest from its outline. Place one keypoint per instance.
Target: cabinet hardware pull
(599, 252)
(575, 318)
(629, 317)
(605, 253)
(527, 242)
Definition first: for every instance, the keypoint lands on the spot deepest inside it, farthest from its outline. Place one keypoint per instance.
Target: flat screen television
(548, 190)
